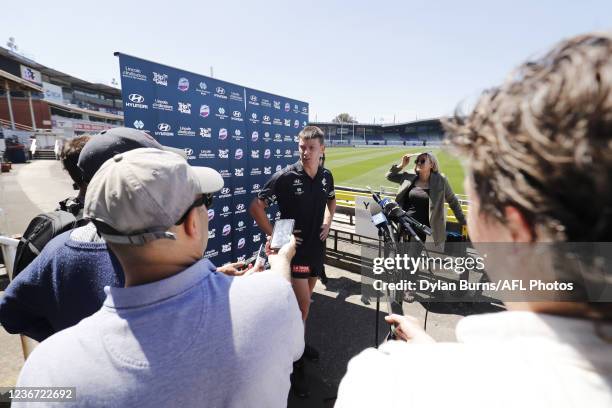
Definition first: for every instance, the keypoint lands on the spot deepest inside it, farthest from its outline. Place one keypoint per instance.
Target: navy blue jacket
(61, 286)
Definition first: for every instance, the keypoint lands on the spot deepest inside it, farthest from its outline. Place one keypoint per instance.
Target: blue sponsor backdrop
(245, 134)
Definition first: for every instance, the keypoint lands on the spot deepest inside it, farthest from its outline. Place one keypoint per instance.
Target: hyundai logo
(163, 127)
(253, 98)
(136, 98)
(236, 114)
(256, 187)
(211, 214)
(225, 191)
(240, 207)
(266, 118)
(220, 90)
(188, 151)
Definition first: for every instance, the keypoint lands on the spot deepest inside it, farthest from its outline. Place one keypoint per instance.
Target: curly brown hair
(542, 142)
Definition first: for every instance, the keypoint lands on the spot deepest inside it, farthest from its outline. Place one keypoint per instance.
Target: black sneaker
(299, 385)
(311, 353)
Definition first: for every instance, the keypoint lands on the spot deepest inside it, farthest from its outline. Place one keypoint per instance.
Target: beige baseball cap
(141, 193)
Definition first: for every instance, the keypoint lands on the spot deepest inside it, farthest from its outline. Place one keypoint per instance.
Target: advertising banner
(243, 133)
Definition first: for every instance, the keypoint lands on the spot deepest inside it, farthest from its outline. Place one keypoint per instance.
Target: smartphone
(281, 234)
(261, 256)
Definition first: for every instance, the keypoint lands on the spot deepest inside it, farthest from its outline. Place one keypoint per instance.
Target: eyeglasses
(205, 199)
(421, 161)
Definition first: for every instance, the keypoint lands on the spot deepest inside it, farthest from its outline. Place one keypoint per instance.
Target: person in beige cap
(179, 333)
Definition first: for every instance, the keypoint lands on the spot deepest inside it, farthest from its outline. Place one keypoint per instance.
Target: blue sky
(411, 59)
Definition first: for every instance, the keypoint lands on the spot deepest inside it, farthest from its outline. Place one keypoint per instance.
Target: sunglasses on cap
(205, 199)
(422, 160)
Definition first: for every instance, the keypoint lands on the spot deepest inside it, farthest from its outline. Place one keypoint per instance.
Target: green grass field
(361, 167)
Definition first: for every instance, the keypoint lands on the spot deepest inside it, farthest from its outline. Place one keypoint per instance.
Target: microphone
(395, 213)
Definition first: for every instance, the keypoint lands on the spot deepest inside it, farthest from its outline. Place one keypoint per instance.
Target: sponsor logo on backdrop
(133, 73)
(278, 137)
(211, 214)
(236, 96)
(256, 188)
(241, 243)
(237, 135)
(164, 129)
(189, 153)
(225, 173)
(202, 89)
(239, 191)
(186, 131)
(288, 154)
(266, 120)
(162, 105)
(221, 113)
(304, 124)
(138, 124)
(305, 110)
(240, 208)
(226, 247)
(224, 153)
(266, 103)
(227, 229)
(255, 154)
(160, 79)
(241, 225)
(184, 107)
(288, 138)
(222, 134)
(296, 153)
(239, 172)
(241, 258)
(136, 101)
(255, 171)
(204, 111)
(296, 139)
(206, 154)
(268, 170)
(238, 154)
(225, 192)
(277, 104)
(278, 154)
(183, 84)
(257, 237)
(296, 123)
(237, 116)
(225, 211)
(266, 137)
(205, 132)
(253, 119)
(212, 233)
(267, 154)
(287, 106)
(287, 122)
(277, 122)
(211, 253)
(254, 136)
(279, 167)
(253, 100)
(220, 92)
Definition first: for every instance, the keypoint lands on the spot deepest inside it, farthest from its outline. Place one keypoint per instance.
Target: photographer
(539, 150)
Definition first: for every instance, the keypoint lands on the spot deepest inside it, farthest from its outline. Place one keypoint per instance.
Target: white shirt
(508, 359)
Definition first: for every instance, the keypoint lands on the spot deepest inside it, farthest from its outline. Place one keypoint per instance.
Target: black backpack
(42, 229)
